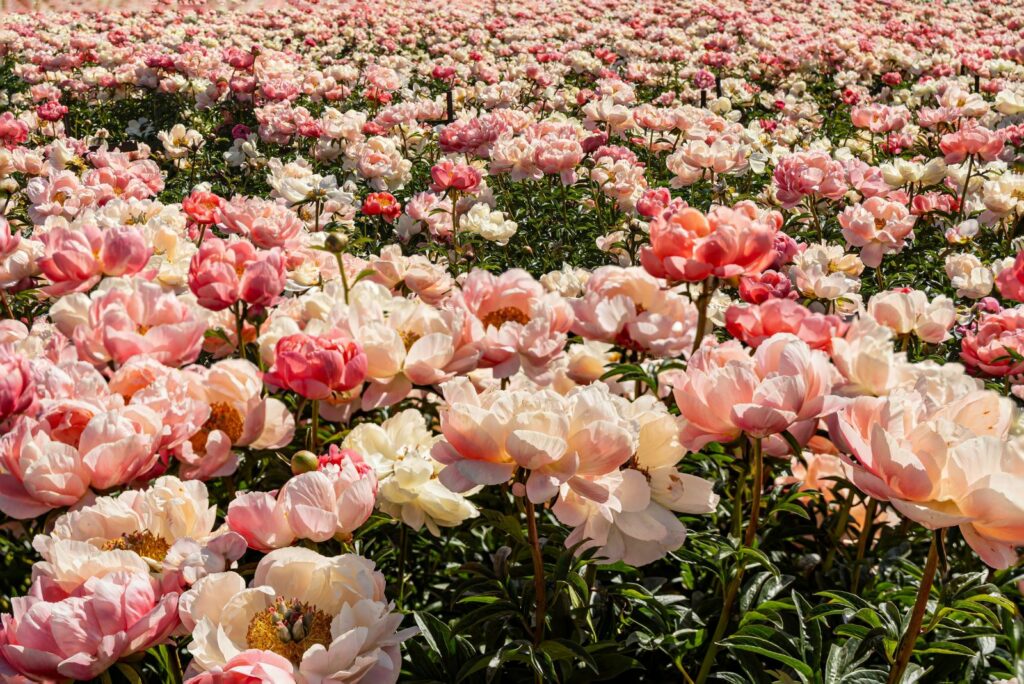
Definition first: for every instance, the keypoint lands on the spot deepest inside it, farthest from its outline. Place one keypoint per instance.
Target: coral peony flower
(688, 246)
(754, 324)
(38, 473)
(996, 346)
(319, 366)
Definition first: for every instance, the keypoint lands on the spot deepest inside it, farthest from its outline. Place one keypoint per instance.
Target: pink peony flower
(630, 308)
(996, 347)
(38, 473)
(83, 635)
(327, 503)
(249, 667)
(783, 384)
(266, 224)
(17, 389)
(140, 319)
(75, 259)
(762, 287)
(878, 227)
(971, 141)
(809, 174)
(446, 175)
(754, 324)
(1010, 280)
(520, 324)
(317, 367)
(202, 207)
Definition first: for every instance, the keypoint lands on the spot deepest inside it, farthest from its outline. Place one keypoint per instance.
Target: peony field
(512, 342)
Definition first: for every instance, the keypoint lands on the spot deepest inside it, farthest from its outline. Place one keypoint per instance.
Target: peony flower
(996, 346)
(752, 325)
(202, 207)
(408, 486)
(630, 308)
(906, 311)
(134, 317)
(811, 174)
(17, 389)
(518, 324)
(81, 636)
(249, 667)
(38, 473)
(784, 383)
(169, 527)
(688, 246)
(329, 502)
(940, 466)
(75, 260)
(878, 227)
(326, 616)
(558, 440)
(971, 141)
(317, 367)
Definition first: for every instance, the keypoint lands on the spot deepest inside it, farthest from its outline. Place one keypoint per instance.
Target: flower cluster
(308, 306)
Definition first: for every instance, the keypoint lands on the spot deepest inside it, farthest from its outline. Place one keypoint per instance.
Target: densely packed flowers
(557, 341)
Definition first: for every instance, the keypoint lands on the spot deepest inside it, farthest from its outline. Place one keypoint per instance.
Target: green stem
(314, 426)
(862, 543)
(240, 311)
(403, 549)
(906, 649)
(539, 589)
(733, 588)
(707, 288)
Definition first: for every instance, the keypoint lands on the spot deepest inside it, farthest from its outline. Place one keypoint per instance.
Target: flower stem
(906, 649)
(862, 543)
(758, 482)
(707, 288)
(403, 550)
(538, 573)
(733, 588)
(314, 426)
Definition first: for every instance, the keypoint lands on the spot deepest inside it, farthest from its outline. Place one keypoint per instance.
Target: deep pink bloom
(317, 367)
(996, 347)
(13, 131)
(759, 288)
(382, 204)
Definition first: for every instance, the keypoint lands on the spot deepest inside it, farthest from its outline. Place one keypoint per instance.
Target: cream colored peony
(408, 486)
(169, 529)
(327, 616)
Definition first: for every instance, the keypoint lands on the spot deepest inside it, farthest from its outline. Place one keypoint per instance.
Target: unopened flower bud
(304, 462)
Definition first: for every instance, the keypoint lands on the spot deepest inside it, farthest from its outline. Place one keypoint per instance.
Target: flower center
(224, 418)
(289, 628)
(144, 543)
(409, 338)
(499, 317)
